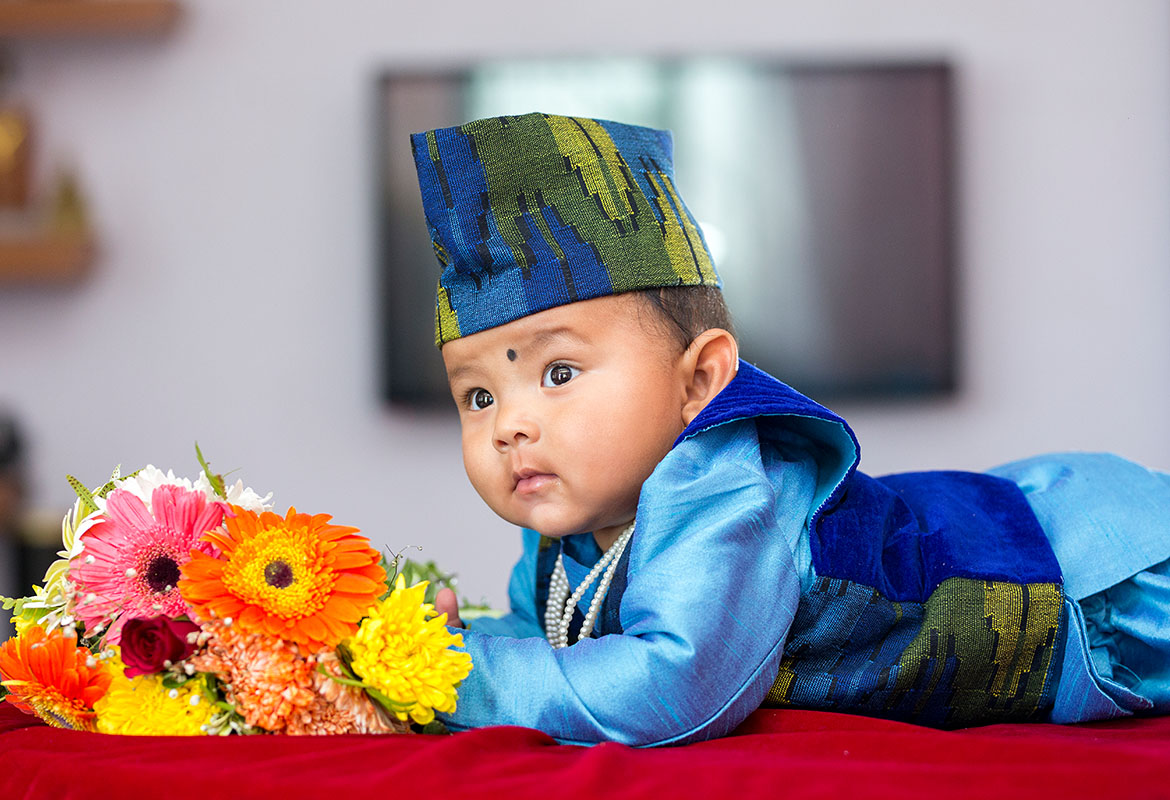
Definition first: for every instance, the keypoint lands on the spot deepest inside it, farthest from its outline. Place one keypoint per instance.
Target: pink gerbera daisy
(130, 563)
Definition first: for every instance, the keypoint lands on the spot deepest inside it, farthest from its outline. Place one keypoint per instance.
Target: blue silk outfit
(765, 569)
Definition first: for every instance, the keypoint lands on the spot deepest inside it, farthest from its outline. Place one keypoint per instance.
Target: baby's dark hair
(683, 312)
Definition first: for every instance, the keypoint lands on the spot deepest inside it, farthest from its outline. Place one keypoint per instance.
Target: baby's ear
(708, 365)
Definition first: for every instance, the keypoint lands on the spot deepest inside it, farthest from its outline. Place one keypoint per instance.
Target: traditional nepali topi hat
(531, 212)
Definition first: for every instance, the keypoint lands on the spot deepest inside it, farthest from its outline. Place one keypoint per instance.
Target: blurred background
(193, 241)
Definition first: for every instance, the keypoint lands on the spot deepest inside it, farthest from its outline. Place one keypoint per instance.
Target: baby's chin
(553, 529)
(556, 521)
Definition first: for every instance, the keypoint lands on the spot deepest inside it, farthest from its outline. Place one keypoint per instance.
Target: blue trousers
(1108, 521)
(1128, 626)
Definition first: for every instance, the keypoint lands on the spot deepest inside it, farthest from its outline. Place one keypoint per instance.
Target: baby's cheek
(480, 474)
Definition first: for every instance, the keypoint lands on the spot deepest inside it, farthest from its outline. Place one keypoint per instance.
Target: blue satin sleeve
(521, 620)
(712, 588)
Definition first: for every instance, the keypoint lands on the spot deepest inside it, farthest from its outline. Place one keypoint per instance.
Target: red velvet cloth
(789, 754)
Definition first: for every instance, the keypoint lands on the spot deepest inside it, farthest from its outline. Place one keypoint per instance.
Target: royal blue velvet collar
(901, 534)
(754, 394)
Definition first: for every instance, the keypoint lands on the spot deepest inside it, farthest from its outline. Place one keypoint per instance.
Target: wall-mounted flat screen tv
(824, 190)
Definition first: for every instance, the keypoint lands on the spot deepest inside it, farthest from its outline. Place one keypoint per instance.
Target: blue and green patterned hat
(531, 212)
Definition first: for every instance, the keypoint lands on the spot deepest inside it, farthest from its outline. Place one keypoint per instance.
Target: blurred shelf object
(41, 18)
(55, 245)
(49, 244)
(44, 257)
(40, 528)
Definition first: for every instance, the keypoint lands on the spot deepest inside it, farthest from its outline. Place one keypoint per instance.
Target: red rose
(147, 644)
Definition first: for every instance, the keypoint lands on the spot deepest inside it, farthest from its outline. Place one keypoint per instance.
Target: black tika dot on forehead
(511, 354)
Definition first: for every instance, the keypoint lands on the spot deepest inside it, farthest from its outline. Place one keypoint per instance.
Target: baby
(698, 541)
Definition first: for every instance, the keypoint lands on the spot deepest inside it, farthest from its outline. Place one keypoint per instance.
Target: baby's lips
(531, 481)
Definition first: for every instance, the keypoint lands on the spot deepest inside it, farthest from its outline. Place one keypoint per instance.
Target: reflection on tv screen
(825, 192)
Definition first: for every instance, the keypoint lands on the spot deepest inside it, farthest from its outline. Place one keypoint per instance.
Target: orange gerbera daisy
(295, 577)
(48, 675)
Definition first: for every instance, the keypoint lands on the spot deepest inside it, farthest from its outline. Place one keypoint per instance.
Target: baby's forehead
(613, 321)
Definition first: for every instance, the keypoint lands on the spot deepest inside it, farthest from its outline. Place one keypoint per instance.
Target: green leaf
(88, 505)
(215, 480)
(18, 607)
(347, 681)
(415, 572)
(177, 680)
(345, 661)
(392, 706)
(115, 476)
(435, 728)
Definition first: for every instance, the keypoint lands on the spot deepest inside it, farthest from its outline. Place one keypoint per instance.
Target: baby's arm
(711, 594)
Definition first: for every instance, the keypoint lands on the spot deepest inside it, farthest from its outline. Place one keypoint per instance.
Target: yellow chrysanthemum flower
(142, 706)
(402, 651)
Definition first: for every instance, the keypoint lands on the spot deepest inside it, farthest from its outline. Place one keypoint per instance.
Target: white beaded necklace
(558, 612)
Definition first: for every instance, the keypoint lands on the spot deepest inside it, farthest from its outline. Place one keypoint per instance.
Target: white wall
(229, 170)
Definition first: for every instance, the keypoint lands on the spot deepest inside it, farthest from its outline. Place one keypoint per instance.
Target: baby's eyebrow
(455, 374)
(551, 335)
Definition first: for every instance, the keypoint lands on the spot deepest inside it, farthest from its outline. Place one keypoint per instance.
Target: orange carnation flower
(276, 688)
(47, 674)
(295, 577)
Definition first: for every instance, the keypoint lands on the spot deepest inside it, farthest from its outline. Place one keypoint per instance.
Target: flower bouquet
(184, 607)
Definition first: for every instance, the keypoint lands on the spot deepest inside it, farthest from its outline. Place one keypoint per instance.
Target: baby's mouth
(529, 481)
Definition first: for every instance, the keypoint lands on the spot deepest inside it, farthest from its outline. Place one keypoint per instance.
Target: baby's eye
(558, 375)
(479, 399)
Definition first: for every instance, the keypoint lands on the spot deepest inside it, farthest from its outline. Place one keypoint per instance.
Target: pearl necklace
(558, 612)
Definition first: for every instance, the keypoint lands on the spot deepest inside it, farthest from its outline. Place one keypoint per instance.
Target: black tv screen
(824, 191)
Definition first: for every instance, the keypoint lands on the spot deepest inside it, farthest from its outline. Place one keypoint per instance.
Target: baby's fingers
(447, 603)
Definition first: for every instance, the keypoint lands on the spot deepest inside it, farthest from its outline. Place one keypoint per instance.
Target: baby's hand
(447, 603)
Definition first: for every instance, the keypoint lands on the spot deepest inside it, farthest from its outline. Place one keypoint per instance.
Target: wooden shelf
(42, 18)
(44, 258)
(31, 254)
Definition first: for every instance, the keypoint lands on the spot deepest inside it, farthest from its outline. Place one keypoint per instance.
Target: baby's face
(566, 412)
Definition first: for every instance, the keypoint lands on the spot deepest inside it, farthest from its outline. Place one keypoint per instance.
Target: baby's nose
(514, 428)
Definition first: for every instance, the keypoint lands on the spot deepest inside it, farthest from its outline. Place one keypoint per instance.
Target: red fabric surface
(790, 754)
